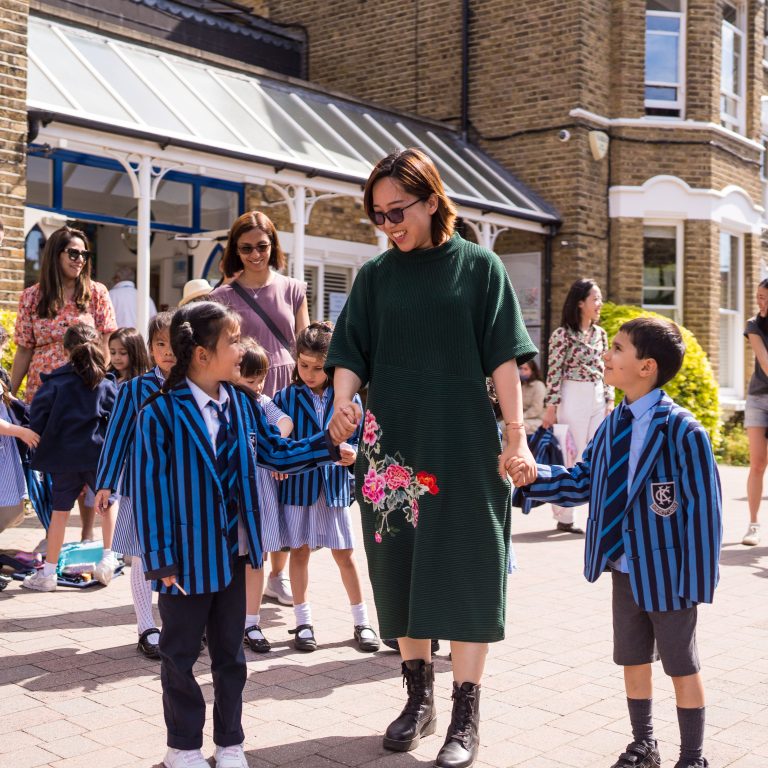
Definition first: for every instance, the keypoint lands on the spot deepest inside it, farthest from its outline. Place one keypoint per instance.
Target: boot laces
(417, 690)
(464, 706)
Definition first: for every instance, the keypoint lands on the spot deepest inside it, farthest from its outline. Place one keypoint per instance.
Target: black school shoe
(304, 643)
(150, 650)
(639, 754)
(256, 644)
(368, 643)
(700, 763)
(569, 528)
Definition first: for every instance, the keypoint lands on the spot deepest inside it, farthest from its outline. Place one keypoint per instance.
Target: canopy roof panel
(83, 76)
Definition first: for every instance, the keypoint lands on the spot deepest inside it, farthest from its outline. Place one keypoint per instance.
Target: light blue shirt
(642, 414)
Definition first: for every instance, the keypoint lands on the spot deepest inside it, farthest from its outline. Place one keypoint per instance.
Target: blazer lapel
(306, 402)
(654, 441)
(190, 415)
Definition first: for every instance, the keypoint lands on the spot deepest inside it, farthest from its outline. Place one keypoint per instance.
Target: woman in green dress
(425, 323)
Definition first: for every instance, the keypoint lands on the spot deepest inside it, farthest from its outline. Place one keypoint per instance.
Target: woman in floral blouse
(576, 395)
(64, 296)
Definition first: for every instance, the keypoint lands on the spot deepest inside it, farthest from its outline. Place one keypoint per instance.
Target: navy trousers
(221, 615)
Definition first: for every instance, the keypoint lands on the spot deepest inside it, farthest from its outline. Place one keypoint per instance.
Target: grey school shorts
(756, 411)
(642, 637)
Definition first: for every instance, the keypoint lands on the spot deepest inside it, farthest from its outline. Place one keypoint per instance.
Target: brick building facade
(639, 122)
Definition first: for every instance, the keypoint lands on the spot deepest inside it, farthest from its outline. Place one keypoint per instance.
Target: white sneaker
(105, 569)
(230, 757)
(279, 588)
(184, 758)
(752, 536)
(40, 582)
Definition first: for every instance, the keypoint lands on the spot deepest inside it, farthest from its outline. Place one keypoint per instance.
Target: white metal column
(299, 225)
(143, 236)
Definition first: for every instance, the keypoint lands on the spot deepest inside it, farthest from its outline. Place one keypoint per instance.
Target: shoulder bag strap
(274, 330)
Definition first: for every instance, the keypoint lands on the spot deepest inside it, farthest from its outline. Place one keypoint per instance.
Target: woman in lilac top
(254, 252)
(253, 247)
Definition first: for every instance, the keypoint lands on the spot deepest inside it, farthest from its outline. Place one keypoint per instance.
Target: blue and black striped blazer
(302, 490)
(131, 396)
(673, 529)
(180, 508)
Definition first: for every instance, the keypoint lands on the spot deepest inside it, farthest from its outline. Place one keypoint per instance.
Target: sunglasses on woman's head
(75, 255)
(395, 215)
(247, 250)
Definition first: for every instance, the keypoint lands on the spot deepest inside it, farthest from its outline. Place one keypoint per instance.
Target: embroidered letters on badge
(663, 495)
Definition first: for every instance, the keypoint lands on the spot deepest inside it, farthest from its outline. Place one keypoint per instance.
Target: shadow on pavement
(749, 557)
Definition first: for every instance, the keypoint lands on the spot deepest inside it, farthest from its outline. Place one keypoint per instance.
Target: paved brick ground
(75, 693)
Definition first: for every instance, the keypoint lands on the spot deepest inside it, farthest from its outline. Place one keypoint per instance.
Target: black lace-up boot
(463, 740)
(418, 717)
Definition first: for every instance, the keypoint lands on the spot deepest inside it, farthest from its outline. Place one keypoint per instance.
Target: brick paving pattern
(76, 694)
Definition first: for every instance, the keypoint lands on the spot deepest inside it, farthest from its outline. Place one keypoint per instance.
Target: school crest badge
(664, 497)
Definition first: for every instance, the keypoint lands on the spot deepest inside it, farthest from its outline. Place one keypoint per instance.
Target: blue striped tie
(611, 544)
(227, 477)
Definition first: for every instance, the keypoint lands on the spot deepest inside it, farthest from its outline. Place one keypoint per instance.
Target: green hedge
(8, 321)
(695, 387)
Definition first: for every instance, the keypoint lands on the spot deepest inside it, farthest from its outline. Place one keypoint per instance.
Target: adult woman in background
(273, 309)
(756, 413)
(64, 296)
(576, 395)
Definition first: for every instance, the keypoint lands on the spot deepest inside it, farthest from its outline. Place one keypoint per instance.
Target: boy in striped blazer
(655, 523)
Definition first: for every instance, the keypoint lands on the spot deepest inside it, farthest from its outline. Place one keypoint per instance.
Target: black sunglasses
(247, 250)
(75, 255)
(395, 215)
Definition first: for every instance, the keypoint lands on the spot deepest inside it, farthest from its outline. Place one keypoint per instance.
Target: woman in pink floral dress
(64, 296)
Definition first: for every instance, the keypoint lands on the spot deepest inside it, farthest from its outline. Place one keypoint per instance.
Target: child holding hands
(655, 522)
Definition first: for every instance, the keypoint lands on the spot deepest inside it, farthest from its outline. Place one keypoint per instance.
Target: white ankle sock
(106, 553)
(49, 568)
(360, 614)
(141, 590)
(251, 619)
(303, 613)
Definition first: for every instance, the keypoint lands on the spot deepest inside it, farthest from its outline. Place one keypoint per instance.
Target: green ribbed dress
(424, 329)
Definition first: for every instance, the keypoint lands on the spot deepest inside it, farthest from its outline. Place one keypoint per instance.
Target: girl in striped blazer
(253, 372)
(197, 514)
(114, 467)
(316, 503)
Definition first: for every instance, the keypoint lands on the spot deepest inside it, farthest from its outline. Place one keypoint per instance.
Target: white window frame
(679, 103)
(735, 388)
(737, 122)
(677, 307)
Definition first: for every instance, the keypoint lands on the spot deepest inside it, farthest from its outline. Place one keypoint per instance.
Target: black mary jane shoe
(639, 754)
(366, 643)
(256, 644)
(569, 528)
(150, 650)
(304, 643)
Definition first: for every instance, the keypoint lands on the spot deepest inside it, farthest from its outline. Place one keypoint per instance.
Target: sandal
(150, 650)
(304, 643)
(259, 643)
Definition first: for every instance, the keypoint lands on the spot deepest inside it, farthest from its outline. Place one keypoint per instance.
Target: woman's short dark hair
(655, 338)
(579, 291)
(255, 360)
(52, 300)
(231, 262)
(417, 175)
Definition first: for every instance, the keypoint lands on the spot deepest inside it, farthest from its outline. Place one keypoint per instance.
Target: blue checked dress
(318, 525)
(13, 486)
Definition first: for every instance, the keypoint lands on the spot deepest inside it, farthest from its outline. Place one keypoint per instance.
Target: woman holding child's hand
(425, 324)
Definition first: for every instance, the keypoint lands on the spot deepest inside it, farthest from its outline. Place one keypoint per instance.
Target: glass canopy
(84, 76)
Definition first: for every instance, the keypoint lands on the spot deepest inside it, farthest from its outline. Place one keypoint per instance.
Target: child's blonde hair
(255, 360)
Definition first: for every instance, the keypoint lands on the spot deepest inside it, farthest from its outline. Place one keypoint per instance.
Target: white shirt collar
(124, 284)
(202, 399)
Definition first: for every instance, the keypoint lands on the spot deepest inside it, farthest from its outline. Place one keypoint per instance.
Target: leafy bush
(695, 387)
(734, 449)
(8, 321)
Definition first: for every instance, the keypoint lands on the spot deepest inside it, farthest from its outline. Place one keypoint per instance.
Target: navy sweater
(71, 421)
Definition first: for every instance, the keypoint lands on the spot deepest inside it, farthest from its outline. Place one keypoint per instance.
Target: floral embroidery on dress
(389, 484)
